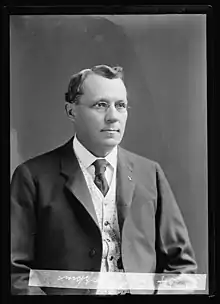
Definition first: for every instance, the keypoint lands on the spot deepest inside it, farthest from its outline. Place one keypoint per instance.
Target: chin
(109, 146)
(111, 142)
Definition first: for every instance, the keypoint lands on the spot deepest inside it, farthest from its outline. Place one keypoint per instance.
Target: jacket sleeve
(23, 230)
(174, 250)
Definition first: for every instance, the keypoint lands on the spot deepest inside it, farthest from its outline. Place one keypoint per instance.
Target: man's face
(101, 114)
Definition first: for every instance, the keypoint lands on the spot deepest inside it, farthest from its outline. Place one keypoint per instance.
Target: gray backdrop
(164, 60)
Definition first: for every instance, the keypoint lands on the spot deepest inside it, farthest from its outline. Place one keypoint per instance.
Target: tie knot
(100, 166)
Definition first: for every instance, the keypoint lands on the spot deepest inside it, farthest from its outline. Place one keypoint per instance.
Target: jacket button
(119, 263)
(92, 252)
(106, 223)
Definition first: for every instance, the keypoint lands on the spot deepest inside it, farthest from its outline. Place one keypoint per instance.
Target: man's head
(96, 102)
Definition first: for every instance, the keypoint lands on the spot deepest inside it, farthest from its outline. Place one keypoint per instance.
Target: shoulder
(145, 171)
(140, 161)
(44, 163)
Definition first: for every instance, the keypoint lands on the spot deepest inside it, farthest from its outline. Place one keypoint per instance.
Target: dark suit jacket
(54, 224)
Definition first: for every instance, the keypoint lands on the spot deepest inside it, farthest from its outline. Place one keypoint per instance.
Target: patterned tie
(100, 180)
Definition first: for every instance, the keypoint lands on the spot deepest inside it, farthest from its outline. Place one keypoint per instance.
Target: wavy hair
(76, 80)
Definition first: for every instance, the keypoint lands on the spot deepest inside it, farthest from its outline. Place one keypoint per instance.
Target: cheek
(124, 120)
(89, 123)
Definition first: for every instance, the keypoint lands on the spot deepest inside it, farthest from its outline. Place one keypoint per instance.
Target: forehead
(96, 87)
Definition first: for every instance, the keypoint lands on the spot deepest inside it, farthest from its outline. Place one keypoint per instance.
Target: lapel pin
(129, 177)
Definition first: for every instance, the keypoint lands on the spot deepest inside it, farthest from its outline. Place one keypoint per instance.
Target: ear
(70, 110)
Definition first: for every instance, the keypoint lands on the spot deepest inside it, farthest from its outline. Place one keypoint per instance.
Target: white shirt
(87, 159)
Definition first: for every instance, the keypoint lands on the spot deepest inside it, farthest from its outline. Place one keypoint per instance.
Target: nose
(112, 115)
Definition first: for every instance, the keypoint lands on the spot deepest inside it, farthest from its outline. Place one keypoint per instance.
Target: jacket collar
(76, 183)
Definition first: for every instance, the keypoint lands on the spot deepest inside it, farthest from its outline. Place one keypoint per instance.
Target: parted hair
(76, 80)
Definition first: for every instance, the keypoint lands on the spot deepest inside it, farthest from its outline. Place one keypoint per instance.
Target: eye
(100, 105)
(121, 105)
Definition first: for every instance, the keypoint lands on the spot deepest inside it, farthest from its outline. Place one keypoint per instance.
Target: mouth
(110, 130)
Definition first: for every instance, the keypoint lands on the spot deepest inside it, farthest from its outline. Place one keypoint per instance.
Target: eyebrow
(105, 100)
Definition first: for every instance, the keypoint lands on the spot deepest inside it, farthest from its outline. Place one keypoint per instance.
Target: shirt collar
(87, 158)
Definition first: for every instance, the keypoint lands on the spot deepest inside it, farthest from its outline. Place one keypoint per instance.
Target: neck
(99, 152)
(96, 151)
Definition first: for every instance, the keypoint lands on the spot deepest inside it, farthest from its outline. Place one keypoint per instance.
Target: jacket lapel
(125, 186)
(75, 181)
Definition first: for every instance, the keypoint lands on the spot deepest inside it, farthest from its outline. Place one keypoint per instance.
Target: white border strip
(116, 280)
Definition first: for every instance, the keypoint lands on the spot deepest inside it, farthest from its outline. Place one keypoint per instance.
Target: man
(90, 205)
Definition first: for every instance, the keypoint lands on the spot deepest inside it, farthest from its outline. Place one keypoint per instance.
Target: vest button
(106, 223)
(92, 252)
(111, 258)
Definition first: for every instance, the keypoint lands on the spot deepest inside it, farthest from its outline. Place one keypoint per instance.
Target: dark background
(164, 60)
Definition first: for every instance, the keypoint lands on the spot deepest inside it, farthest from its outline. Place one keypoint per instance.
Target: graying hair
(76, 80)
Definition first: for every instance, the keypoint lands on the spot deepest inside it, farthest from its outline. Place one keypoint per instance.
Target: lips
(110, 130)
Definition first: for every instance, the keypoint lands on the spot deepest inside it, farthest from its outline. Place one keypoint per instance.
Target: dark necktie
(100, 180)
